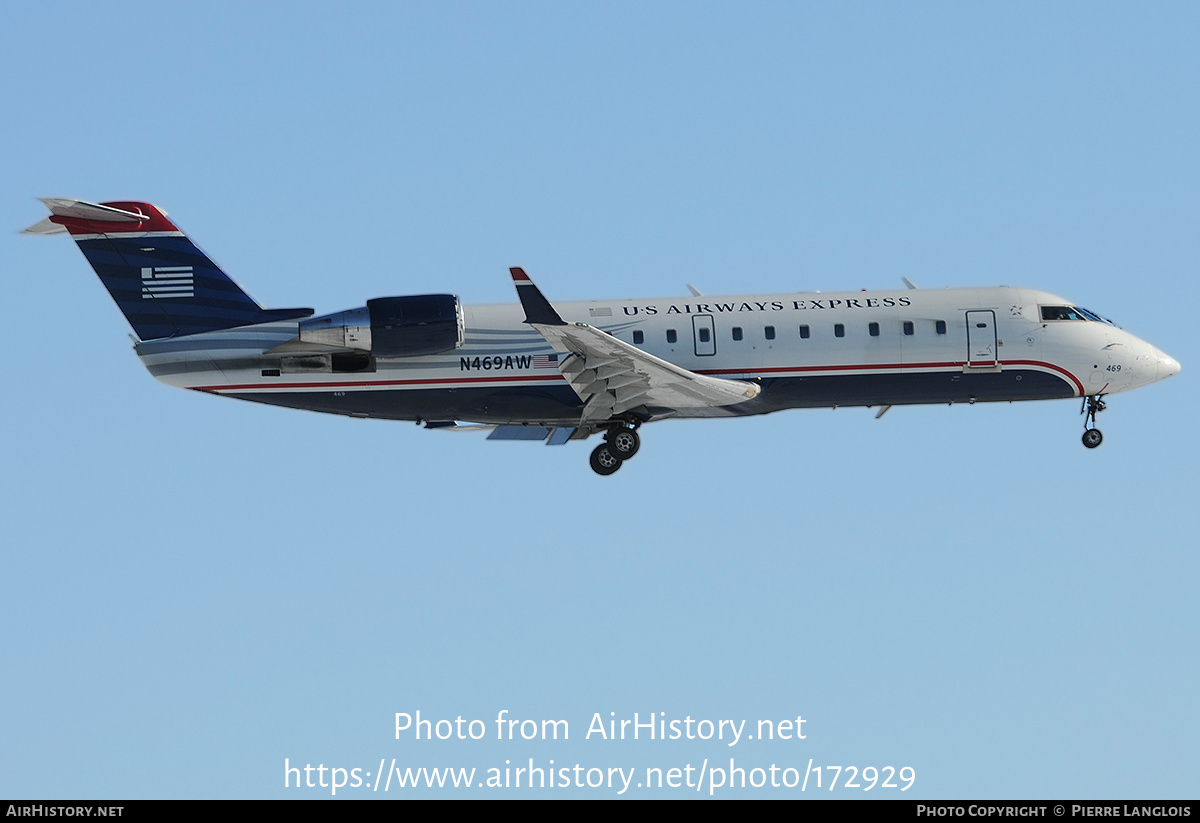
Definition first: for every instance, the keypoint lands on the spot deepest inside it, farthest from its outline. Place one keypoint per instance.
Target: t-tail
(164, 284)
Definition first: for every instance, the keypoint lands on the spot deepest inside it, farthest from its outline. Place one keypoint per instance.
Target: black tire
(624, 443)
(604, 460)
(1092, 438)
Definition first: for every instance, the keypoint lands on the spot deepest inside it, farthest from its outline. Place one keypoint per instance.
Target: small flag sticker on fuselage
(545, 361)
(167, 281)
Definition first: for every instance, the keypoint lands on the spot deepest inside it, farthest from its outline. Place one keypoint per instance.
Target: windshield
(1091, 315)
(1072, 313)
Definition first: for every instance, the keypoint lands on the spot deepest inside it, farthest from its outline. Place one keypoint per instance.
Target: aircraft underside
(560, 406)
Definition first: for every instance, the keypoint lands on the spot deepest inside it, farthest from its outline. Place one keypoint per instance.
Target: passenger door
(981, 339)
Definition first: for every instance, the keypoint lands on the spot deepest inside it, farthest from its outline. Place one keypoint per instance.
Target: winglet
(537, 307)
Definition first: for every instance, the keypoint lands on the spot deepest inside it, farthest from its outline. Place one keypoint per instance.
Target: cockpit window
(1072, 313)
(1060, 313)
(1091, 315)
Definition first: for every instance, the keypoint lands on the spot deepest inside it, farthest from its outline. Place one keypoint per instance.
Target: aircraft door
(981, 339)
(704, 334)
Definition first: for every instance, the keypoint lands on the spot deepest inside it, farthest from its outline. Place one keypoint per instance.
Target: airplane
(566, 371)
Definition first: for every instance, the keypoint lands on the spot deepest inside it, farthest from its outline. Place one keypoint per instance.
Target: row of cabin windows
(768, 332)
(909, 328)
(839, 330)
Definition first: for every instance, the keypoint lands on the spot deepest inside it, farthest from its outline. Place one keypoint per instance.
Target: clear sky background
(197, 588)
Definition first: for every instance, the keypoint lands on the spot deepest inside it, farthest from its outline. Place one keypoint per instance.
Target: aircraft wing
(611, 376)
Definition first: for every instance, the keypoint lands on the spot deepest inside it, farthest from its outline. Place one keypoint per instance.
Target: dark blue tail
(165, 286)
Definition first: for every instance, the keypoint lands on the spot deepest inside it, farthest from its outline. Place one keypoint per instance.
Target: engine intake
(392, 326)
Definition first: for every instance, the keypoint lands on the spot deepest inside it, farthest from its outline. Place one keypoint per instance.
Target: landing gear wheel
(1092, 406)
(604, 460)
(624, 443)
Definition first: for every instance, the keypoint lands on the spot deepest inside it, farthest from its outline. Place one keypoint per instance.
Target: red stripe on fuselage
(882, 366)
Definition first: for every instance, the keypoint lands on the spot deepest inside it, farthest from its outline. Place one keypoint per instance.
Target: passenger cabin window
(671, 336)
(908, 327)
(940, 325)
(873, 328)
(638, 338)
(703, 335)
(769, 332)
(804, 332)
(737, 332)
(839, 330)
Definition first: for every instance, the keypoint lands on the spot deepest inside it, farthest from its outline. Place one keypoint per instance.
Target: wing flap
(611, 376)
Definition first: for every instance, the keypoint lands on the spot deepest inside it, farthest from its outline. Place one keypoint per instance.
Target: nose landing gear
(620, 443)
(1092, 406)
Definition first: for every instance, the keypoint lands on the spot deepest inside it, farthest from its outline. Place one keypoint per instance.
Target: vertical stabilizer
(164, 284)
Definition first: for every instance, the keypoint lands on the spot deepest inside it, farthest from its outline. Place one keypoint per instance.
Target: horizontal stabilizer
(77, 210)
(82, 218)
(46, 226)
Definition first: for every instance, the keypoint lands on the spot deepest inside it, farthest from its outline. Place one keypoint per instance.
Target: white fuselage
(809, 349)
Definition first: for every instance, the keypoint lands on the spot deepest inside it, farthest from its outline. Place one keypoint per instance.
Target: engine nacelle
(392, 326)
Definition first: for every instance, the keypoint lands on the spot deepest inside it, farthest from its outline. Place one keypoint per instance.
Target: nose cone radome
(1167, 365)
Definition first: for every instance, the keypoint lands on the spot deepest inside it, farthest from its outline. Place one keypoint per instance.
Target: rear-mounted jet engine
(392, 326)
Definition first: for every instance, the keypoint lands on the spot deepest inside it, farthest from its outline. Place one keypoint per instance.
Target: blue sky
(197, 588)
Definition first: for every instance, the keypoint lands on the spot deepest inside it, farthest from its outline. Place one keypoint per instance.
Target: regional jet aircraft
(565, 371)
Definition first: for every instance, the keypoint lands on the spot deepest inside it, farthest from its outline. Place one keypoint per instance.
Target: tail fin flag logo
(167, 281)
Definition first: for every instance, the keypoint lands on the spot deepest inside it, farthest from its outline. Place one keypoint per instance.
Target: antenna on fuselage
(695, 291)
(908, 283)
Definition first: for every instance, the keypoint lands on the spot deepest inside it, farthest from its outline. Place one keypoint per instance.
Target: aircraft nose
(1167, 365)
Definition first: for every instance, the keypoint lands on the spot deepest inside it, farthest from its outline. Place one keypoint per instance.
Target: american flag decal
(545, 361)
(601, 312)
(167, 281)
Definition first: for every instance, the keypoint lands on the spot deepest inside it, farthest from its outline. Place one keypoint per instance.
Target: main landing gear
(620, 443)
(1092, 406)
